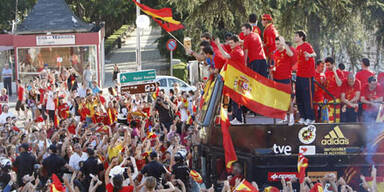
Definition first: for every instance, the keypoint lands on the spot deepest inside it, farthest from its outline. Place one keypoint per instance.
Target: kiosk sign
(55, 40)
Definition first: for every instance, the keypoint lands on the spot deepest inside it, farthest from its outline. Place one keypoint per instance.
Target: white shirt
(76, 158)
(6, 72)
(50, 102)
(82, 92)
(4, 116)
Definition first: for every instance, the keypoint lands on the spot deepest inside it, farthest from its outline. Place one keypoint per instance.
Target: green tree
(8, 9)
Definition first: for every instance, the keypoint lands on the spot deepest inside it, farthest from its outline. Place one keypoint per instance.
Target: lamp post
(142, 21)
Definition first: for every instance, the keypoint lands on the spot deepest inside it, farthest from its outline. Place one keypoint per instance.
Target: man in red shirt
(20, 99)
(269, 35)
(253, 51)
(364, 73)
(350, 96)
(215, 60)
(371, 97)
(284, 58)
(341, 66)
(253, 22)
(318, 96)
(235, 57)
(334, 81)
(304, 81)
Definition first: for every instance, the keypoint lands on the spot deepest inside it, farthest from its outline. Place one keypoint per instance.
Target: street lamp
(142, 21)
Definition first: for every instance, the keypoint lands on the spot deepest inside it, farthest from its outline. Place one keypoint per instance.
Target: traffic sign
(171, 45)
(145, 75)
(138, 88)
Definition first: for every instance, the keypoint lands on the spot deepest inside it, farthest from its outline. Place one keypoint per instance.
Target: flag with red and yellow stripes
(245, 186)
(196, 176)
(162, 16)
(56, 185)
(302, 164)
(257, 93)
(271, 189)
(317, 188)
(229, 150)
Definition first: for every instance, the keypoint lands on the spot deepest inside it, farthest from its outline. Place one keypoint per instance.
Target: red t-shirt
(20, 93)
(252, 43)
(255, 29)
(237, 56)
(124, 189)
(42, 92)
(318, 96)
(305, 67)
(380, 78)
(363, 76)
(345, 73)
(269, 37)
(331, 84)
(350, 91)
(371, 95)
(219, 60)
(227, 48)
(283, 64)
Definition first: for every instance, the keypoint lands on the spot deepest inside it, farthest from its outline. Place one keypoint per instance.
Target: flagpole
(176, 39)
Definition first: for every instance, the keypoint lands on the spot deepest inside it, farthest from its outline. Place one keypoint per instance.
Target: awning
(5, 48)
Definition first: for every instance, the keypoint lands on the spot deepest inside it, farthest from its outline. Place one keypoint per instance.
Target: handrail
(333, 98)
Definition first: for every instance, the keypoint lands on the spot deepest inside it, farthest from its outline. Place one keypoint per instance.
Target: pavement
(125, 57)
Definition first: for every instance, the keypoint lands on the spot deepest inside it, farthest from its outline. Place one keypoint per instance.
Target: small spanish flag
(196, 176)
(271, 189)
(56, 185)
(162, 16)
(229, 149)
(245, 186)
(302, 164)
(317, 188)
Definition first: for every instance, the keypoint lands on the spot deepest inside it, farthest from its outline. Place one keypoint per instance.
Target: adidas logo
(335, 137)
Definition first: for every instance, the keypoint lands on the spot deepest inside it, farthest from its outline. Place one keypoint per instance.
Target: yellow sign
(335, 137)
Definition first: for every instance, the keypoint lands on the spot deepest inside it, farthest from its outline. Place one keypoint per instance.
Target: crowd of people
(93, 140)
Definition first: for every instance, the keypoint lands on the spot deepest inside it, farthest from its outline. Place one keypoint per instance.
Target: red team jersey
(269, 37)
(283, 64)
(350, 91)
(253, 44)
(255, 29)
(219, 60)
(363, 76)
(305, 67)
(318, 96)
(331, 84)
(237, 56)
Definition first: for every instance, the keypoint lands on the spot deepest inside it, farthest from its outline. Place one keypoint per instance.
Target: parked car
(167, 82)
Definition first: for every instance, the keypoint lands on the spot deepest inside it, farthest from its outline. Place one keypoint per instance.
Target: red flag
(302, 165)
(56, 185)
(229, 150)
(162, 16)
(245, 186)
(103, 129)
(317, 188)
(169, 27)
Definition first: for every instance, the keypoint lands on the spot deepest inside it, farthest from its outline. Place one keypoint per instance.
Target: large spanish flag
(245, 186)
(162, 16)
(229, 150)
(257, 93)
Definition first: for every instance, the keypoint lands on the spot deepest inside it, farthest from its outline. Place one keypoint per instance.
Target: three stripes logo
(335, 137)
